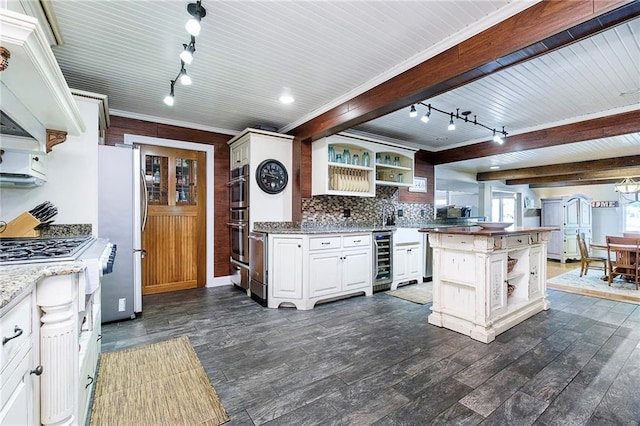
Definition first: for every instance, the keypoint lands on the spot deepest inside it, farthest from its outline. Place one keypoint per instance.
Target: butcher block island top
(487, 281)
(477, 230)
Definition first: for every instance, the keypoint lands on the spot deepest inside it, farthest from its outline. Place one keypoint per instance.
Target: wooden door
(174, 236)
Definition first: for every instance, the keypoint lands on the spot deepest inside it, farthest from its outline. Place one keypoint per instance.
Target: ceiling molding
(519, 38)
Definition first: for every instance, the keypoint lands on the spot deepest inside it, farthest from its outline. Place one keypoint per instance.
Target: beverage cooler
(382, 260)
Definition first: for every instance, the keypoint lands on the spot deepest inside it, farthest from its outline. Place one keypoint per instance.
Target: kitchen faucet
(388, 219)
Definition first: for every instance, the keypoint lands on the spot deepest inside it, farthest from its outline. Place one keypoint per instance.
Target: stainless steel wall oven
(239, 235)
(239, 187)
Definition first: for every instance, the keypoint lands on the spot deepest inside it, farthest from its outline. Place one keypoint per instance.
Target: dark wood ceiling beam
(597, 128)
(574, 183)
(618, 174)
(543, 27)
(606, 164)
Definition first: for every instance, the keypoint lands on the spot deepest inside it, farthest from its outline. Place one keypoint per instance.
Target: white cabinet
(19, 403)
(251, 147)
(572, 215)
(408, 257)
(305, 269)
(387, 164)
(240, 154)
(484, 284)
(285, 268)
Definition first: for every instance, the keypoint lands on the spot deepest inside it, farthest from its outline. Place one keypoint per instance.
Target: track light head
(497, 138)
(186, 55)
(169, 99)
(451, 126)
(197, 12)
(425, 118)
(412, 112)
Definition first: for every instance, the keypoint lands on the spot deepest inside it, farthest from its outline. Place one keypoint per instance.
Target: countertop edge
(16, 280)
(476, 230)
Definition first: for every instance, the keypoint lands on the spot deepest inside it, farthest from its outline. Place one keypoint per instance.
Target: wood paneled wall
(121, 126)
(423, 167)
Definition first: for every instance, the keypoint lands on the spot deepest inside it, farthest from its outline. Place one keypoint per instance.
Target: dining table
(624, 254)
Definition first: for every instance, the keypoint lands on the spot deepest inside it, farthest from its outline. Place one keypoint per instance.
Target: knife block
(22, 226)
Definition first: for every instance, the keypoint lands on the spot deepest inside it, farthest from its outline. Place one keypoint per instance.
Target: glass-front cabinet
(170, 179)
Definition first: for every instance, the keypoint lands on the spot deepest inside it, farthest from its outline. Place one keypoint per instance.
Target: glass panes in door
(186, 181)
(156, 179)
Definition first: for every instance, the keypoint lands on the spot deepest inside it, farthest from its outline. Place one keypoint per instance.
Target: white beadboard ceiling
(324, 52)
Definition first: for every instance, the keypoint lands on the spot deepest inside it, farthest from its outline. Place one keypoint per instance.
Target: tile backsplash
(331, 208)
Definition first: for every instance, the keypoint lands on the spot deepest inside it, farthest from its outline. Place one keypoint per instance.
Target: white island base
(477, 289)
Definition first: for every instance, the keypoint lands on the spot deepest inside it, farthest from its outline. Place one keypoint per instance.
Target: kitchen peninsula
(486, 281)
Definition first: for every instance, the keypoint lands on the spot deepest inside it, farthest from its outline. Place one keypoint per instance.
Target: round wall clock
(272, 176)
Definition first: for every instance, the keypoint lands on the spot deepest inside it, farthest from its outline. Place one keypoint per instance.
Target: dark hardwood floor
(376, 360)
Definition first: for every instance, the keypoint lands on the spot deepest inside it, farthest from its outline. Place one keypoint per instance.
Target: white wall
(72, 178)
(605, 221)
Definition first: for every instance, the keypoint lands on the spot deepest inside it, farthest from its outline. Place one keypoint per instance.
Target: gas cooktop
(32, 250)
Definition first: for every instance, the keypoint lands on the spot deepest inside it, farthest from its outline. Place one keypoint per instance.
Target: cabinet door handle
(18, 332)
(37, 371)
(90, 381)
(519, 241)
(99, 337)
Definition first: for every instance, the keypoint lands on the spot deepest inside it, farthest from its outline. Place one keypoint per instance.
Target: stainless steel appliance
(239, 235)
(382, 260)
(239, 187)
(97, 254)
(258, 271)
(427, 272)
(120, 211)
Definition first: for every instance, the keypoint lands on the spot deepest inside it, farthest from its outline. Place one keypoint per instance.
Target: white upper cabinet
(34, 93)
(345, 165)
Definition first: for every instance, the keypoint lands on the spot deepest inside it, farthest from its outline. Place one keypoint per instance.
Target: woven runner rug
(421, 293)
(593, 285)
(158, 384)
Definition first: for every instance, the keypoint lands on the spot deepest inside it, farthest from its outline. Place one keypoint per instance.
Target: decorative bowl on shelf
(494, 225)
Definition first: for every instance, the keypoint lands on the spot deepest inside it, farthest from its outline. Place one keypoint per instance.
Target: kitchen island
(487, 281)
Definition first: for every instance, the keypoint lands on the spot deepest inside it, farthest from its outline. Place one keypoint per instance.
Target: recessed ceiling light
(494, 167)
(286, 99)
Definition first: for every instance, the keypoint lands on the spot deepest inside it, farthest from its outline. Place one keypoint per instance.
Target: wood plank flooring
(376, 361)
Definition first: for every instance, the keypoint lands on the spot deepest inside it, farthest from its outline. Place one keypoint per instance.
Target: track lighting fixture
(186, 56)
(185, 79)
(169, 98)
(452, 125)
(425, 117)
(197, 12)
(499, 136)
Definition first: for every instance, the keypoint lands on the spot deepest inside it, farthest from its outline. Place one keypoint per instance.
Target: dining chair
(623, 254)
(586, 259)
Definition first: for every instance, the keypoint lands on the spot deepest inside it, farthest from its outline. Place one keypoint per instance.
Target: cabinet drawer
(17, 318)
(356, 240)
(324, 243)
(517, 240)
(457, 240)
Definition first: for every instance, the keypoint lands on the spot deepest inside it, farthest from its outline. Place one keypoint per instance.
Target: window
(632, 217)
(503, 207)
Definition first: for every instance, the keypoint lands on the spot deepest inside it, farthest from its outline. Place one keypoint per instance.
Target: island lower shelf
(485, 283)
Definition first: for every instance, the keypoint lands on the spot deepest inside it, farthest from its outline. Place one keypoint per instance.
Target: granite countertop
(477, 230)
(17, 279)
(335, 228)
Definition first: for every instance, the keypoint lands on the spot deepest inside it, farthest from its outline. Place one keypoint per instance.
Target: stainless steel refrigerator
(119, 221)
